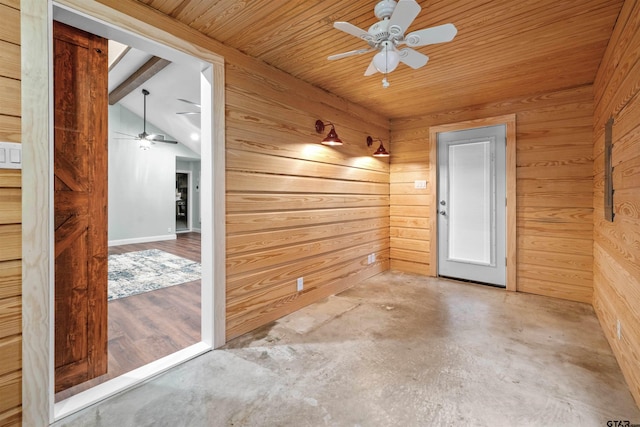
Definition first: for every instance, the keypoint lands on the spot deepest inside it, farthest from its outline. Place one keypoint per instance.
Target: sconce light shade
(381, 151)
(387, 59)
(332, 137)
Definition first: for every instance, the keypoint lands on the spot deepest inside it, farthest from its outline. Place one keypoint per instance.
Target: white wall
(141, 183)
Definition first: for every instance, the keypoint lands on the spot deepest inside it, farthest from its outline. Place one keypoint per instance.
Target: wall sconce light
(332, 137)
(381, 151)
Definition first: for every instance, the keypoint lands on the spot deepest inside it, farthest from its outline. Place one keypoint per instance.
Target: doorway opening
(472, 171)
(183, 201)
(132, 236)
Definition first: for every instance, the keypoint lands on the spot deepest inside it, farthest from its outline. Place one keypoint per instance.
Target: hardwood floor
(187, 245)
(151, 325)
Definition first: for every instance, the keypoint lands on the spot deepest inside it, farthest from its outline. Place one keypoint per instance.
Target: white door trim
(37, 186)
(510, 122)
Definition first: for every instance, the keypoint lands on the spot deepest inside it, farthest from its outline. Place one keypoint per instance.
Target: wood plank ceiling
(504, 48)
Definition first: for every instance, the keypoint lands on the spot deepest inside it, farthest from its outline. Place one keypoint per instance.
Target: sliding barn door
(80, 205)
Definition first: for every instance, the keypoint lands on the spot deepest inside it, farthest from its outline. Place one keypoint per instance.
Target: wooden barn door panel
(80, 205)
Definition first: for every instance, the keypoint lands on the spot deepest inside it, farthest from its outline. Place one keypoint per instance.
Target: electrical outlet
(300, 284)
(619, 329)
(373, 258)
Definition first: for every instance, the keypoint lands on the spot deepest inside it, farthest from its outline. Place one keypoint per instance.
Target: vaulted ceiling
(503, 49)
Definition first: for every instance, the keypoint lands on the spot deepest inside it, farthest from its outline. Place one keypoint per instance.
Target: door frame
(189, 195)
(509, 121)
(37, 206)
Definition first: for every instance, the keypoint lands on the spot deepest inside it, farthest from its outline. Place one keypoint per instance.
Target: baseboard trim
(142, 240)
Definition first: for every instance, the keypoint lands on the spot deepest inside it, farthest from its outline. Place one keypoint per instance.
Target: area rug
(133, 273)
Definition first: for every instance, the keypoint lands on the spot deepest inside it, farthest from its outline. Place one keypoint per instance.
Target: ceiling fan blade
(353, 30)
(371, 69)
(160, 138)
(188, 113)
(433, 35)
(350, 53)
(403, 15)
(189, 102)
(413, 58)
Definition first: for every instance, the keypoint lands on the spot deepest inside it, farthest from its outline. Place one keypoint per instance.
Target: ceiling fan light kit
(386, 35)
(387, 59)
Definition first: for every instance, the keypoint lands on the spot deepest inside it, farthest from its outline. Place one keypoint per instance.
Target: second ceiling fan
(388, 34)
(145, 138)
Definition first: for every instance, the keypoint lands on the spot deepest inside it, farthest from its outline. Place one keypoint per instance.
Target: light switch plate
(10, 155)
(420, 184)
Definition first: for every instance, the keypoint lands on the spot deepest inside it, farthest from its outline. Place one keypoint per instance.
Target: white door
(472, 204)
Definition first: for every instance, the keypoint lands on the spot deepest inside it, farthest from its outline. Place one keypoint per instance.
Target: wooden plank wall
(553, 187)
(616, 250)
(296, 208)
(10, 220)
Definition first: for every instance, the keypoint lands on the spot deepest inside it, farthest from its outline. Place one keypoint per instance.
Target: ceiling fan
(188, 113)
(145, 138)
(387, 35)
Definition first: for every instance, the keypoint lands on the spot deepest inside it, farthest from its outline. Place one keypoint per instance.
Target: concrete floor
(400, 350)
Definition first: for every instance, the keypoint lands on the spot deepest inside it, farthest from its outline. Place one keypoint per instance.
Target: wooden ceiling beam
(137, 79)
(119, 58)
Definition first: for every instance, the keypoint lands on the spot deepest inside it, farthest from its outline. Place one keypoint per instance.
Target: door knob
(443, 213)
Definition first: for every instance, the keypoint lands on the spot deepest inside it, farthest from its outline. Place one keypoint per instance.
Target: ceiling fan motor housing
(380, 31)
(384, 9)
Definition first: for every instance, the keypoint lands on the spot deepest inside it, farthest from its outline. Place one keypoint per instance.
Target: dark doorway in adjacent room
(182, 201)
